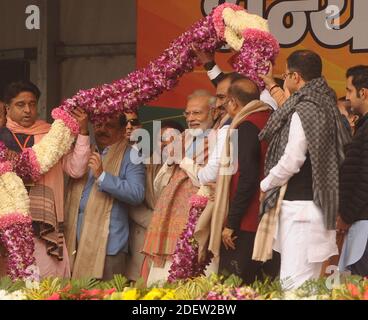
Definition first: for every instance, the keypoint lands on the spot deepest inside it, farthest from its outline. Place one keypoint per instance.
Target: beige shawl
(263, 244)
(88, 259)
(211, 222)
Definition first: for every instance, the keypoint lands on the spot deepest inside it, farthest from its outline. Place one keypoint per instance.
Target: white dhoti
(303, 242)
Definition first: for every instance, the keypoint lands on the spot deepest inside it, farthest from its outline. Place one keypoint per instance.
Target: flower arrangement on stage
(185, 264)
(202, 288)
(16, 234)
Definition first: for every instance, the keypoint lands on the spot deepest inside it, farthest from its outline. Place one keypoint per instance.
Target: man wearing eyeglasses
(172, 207)
(306, 139)
(133, 123)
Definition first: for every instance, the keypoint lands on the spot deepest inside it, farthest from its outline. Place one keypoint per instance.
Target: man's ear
(298, 77)
(234, 104)
(364, 93)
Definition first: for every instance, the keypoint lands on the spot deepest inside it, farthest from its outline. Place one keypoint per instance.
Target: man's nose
(190, 117)
(27, 108)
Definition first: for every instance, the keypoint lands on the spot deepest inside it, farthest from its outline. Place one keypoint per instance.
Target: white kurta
(301, 238)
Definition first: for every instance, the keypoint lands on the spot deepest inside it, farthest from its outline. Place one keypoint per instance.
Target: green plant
(268, 288)
(10, 286)
(45, 289)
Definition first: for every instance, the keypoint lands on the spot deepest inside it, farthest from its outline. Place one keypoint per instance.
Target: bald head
(244, 91)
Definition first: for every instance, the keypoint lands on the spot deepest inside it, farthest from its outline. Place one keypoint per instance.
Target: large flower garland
(15, 222)
(248, 34)
(226, 24)
(186, 264)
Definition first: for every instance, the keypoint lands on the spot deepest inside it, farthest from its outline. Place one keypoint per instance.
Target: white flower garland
(53, 146)
(237, 22)
(13, 195)
(15, 220)
(232, 39)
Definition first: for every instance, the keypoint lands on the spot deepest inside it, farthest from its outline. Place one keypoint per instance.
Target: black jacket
(354, 176)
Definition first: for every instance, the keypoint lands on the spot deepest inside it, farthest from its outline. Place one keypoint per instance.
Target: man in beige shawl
(172, 208)
(232, 215)
(97, 227)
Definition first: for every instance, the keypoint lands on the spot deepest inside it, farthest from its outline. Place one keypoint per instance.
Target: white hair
(203, 93)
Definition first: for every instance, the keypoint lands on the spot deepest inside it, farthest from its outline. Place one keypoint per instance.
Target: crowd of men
(300, 181)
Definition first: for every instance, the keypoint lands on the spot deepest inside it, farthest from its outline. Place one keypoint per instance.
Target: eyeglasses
(134, 122)
(285, 75)
(195, 114)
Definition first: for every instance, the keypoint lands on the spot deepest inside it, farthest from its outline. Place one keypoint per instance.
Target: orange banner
(336, 29)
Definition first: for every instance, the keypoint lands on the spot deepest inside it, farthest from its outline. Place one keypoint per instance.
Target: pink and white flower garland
(15, 223)
(16, 234)
(144, 85)
(162, 74)
(231, 24)
(185, 263)
(33, 162)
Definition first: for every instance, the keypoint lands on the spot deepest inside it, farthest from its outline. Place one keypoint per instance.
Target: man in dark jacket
(249, 116)
(354, 179)
(305, 151)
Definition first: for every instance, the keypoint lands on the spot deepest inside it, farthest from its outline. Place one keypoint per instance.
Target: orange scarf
(40, 127)
(54, 179)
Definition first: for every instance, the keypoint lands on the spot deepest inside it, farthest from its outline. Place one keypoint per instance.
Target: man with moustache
(23, 129)
(172, 208)
(97, 226)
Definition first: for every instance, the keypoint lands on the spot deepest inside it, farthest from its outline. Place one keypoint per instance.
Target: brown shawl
(46, 196)
(88, 259)
(210, 224)
(170, 216)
